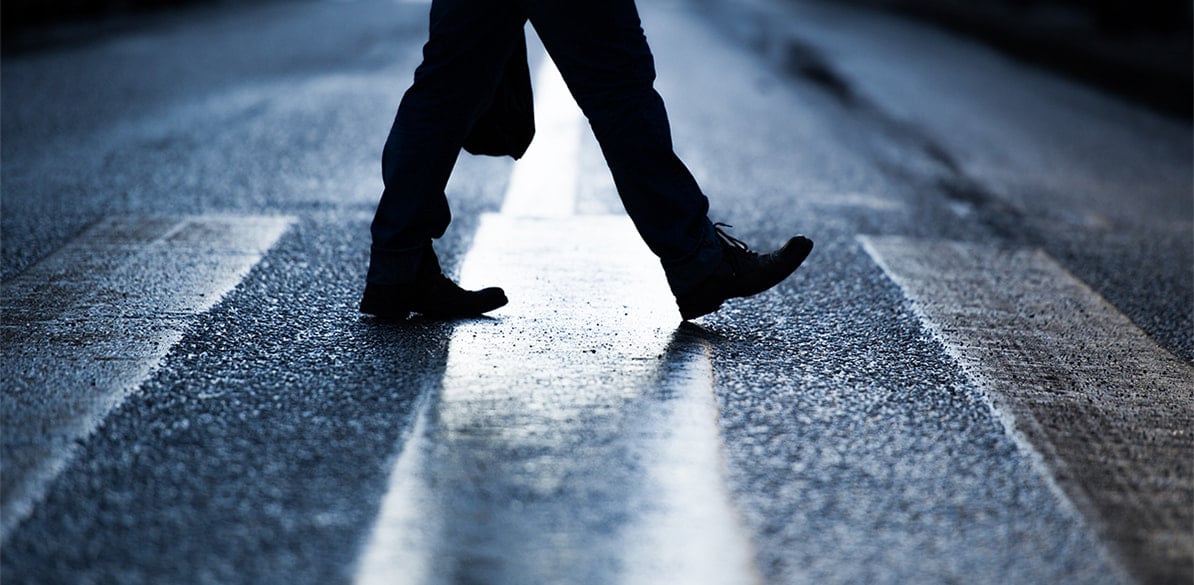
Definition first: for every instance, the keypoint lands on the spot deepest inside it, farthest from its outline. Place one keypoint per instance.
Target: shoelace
(728, 239)
(734, 243)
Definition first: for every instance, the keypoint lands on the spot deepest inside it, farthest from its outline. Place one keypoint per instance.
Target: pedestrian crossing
(586, 410)
(965, 292)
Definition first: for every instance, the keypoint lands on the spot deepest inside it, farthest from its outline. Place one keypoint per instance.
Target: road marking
(575, 437)
(693, 534)
(1108, 411)
(88, 324)
(543, 183)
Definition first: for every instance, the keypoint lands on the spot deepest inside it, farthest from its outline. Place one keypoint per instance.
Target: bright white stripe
(543, 183)
(694, 534)
(1106, 409)
(587, 336)
(578, 388)
(399, 547)
(88, 324)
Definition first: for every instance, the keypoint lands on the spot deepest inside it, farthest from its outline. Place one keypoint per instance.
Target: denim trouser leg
(468, 45)
(602, 53)
(603, 56)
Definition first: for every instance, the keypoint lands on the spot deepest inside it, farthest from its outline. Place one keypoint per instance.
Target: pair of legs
(602, 53)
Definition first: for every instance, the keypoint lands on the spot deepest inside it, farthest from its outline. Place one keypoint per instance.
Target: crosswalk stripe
(88, 324)
(550, 165)
(1109, 412)
(575, 438)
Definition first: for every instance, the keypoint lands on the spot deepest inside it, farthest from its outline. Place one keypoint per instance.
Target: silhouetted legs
(603, 56)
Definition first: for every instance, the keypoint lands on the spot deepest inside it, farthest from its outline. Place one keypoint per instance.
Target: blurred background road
(982, 374)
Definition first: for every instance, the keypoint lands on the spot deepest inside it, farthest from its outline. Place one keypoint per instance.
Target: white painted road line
(87, 325)
(1110, 413)
(571, 442)
(575, 438)
(543, 183)
(693, 533)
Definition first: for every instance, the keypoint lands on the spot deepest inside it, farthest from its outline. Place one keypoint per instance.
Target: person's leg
(468, 45)
(603, 56)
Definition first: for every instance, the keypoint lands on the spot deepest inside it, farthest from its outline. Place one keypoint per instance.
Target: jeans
(602, 54)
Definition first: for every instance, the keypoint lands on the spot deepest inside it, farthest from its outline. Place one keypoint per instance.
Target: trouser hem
(394, 266)
(685, 274)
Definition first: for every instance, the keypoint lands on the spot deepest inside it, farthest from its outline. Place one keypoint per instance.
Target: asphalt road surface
(981, 375)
